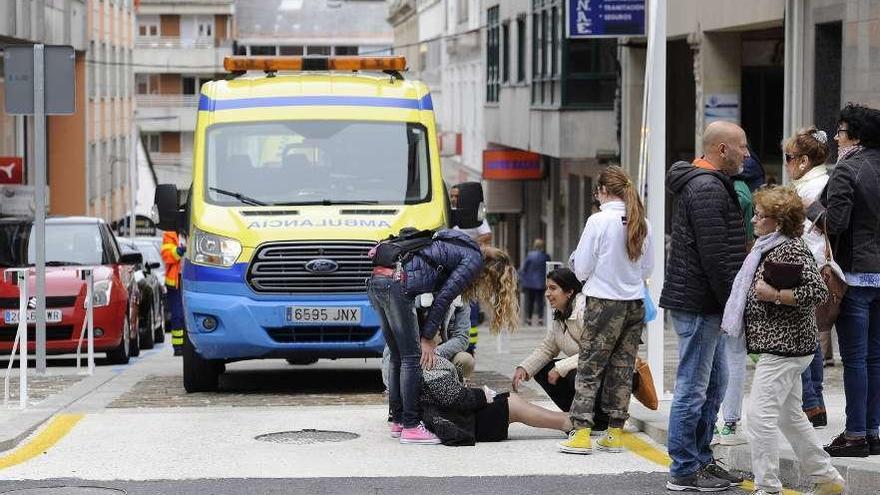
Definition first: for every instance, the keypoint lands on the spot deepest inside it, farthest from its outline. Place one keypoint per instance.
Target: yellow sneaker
(612, 441)
(830, 487)
(578, 442)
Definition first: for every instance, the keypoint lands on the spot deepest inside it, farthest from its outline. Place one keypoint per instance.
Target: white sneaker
(730, 435)
(830, 487)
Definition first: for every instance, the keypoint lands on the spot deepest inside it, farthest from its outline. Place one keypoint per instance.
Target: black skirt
(493, 420)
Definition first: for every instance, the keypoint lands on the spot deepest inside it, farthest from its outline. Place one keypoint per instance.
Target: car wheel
(147, 337)
(199, 374)
(134, 348)
(160, 332)
(119, 355)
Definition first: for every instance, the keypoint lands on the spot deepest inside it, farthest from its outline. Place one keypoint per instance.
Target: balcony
(163, 160)
(157, 113)
(173, 54)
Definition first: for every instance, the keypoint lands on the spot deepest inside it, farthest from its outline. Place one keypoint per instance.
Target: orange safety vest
(170, 241)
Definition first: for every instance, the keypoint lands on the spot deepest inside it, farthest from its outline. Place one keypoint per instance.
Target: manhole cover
(305, 437)
(66, 490)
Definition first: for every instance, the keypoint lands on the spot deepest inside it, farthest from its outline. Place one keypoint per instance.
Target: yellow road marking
(644, 449)
(57, 428)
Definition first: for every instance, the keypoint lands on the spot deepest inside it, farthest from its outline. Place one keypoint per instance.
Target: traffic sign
(604, 18)
(60, 81)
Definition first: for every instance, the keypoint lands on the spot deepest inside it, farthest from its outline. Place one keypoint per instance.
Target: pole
(22, 329)
(656, 176)
(90, 294)
(132, 179)
(40, 213)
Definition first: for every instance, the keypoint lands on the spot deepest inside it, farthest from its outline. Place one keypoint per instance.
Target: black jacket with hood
(708, 240)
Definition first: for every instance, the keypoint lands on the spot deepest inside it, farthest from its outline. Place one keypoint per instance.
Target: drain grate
(306, 437)
(66, 490)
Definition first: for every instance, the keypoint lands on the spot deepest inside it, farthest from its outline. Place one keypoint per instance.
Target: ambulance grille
(280, 267)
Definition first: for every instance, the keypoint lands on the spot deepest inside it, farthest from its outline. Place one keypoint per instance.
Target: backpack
(402, 247)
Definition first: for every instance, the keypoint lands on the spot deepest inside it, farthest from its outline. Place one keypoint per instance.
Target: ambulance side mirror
(470, 210)
(167, 207)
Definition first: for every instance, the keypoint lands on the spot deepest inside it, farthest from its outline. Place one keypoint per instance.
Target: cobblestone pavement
(41, 387)
(277, 387)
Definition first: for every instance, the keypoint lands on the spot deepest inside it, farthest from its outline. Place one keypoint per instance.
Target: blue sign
(605, 18)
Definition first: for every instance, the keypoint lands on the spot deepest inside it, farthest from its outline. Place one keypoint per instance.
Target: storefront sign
(511, 165)
(11, 170)
(605, 18)
(721, 106)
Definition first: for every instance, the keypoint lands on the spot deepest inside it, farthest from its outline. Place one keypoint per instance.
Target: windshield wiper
(241, 197)
(62, 263)
(328, 202)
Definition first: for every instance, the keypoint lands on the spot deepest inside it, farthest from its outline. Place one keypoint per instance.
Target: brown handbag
(828, 311)
(643, 385)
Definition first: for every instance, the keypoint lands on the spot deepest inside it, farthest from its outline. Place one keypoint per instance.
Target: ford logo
(322, 265)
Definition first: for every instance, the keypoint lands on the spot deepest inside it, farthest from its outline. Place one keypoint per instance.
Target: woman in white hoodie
(805, 155)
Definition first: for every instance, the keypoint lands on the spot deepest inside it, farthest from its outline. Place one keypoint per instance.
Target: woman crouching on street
(613, 259)
(447, 267)
(780, 325)
(557, 376)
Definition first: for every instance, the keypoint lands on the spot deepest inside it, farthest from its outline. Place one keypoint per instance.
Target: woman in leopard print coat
(780, 326)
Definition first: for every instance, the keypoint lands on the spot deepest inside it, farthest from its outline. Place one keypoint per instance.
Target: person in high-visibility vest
(172, 253)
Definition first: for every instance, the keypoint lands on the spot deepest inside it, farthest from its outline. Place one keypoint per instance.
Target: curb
(862, 476)
(19, 427)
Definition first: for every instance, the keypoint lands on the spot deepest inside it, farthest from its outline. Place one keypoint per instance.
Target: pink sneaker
(396, 428)
(418, 434)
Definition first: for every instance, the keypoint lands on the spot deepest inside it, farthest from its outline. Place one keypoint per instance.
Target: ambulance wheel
(199, 374)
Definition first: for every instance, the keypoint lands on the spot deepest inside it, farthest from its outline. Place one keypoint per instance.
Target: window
(346, 50)
(492, 72)
(318, 50)
(148, 26)
(505, 60)
(463, 11)
(521, 49)
(262, 50)
(151, 141)
(205, 28)
(192, 85)
(290, 50)
(592, 73)
(546, 22)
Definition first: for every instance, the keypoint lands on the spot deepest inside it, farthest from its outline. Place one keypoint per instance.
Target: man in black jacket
(708, 248)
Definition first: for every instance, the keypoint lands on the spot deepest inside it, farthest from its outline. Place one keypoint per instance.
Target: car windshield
(317, 162)
(66, 244)
(151, 254)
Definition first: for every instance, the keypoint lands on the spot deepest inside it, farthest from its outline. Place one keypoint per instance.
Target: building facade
(87, 152)
(179, 45)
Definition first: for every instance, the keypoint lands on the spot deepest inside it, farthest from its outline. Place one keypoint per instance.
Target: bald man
(708, 248)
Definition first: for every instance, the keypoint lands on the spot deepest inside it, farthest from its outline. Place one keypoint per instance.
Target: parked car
(148, 246)
(152, 312)
(73, 243)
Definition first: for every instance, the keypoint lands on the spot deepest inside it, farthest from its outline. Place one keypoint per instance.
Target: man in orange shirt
(172, 253)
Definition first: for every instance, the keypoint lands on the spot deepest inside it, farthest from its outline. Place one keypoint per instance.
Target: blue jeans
(858, 333)
(400, 327)
(700, 383)
(811, 381)
(735, 352)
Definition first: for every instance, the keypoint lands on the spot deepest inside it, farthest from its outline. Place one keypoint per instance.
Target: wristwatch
(778, 301)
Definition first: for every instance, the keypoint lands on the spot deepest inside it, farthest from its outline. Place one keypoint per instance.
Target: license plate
(52, 316)
(326, 315)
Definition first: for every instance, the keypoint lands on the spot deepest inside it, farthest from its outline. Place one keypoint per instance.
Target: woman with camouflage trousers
(617, 239)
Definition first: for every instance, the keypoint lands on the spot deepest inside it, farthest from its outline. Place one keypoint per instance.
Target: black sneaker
(848, 447)
(178, 350)
(701, 481)
(874, 445)
(719, 472)
(819, 419)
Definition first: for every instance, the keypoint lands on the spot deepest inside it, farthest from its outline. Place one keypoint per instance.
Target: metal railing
(88, 324)
(176, 42)
(162, 101)
(20, 343)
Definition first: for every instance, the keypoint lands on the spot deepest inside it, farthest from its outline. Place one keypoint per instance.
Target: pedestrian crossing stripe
(58, 427)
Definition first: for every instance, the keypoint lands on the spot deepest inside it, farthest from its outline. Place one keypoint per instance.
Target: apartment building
(550, 109)
(178, 46)
(312, 27)
(87, 152)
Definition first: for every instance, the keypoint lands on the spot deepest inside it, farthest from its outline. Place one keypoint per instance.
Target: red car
(72, 243)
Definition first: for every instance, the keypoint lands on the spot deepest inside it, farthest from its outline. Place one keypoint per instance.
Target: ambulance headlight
(215, 250)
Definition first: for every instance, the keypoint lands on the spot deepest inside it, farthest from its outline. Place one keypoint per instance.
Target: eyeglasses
(759, 217)
(839, 130)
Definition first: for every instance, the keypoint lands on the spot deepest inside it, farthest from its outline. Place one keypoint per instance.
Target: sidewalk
(862, 475)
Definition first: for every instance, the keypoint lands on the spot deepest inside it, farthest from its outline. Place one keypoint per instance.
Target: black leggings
(562, 394)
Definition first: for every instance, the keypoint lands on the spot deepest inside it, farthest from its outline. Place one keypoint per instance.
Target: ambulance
(300, 165)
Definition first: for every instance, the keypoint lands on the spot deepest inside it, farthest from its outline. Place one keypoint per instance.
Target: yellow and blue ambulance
(300, 165)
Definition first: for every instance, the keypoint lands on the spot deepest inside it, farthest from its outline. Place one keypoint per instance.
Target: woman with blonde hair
(773, 301)
(613, 259)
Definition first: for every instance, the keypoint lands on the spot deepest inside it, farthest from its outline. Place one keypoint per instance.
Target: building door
(762, 91)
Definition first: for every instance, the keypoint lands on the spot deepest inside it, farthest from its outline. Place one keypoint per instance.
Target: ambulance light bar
(307, 63)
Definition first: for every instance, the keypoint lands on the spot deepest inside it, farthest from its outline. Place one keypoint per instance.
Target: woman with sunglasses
(805, 155)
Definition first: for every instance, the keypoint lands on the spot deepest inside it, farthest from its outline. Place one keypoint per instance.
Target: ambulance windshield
(316, 162)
